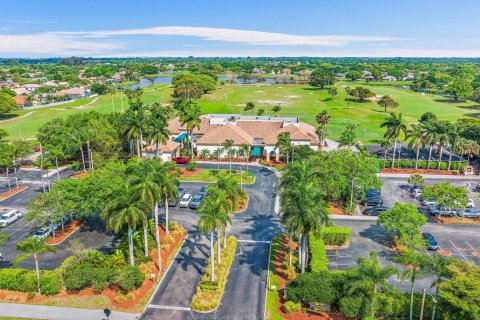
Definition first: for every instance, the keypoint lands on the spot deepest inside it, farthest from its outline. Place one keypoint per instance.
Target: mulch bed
(79, 175)
(240, 207)
(11, 193)
(337, 207)
(64, 233)
(298, 315)
(454, 220)
(419, 171)
(119, 302)
(188, 173)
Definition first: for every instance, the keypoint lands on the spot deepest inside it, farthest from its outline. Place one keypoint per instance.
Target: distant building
(165, 151)
(31, 87)
(21, 101)
(389, 78)
(74, 93)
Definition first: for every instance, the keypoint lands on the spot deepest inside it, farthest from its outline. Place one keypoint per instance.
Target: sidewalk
(353, 217)
(59, 313)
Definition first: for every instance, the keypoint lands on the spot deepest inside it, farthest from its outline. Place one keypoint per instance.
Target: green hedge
(335, 236)
(26, 281)
(318, 254)
(423, 164)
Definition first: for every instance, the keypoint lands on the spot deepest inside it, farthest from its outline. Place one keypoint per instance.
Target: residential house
(21, 101)
(389, 78)
(166, 151)
(74, 93)
(31, 87)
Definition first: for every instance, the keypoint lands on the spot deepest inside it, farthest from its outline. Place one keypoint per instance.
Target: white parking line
(156, 306)
(459, 251)
(468, 244)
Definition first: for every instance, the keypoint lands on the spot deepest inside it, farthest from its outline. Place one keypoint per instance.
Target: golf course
(295, 100)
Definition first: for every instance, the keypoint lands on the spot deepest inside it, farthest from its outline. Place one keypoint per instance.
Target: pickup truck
(181, 160)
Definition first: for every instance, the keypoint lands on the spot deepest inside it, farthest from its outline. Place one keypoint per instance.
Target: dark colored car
(375, 211)
(174, 202)
(181, 160)
(431, 242)
(371, 190)
(203, 191)
(196, 201)
(368, 202)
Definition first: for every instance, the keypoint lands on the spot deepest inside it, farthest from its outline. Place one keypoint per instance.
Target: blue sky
(379, 28)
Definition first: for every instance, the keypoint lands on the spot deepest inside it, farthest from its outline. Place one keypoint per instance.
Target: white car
(417, 193)
(10, 217)
(185, 200)
(429, 202)
(470, 203)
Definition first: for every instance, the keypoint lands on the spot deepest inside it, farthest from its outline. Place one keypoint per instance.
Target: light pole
(434, 300)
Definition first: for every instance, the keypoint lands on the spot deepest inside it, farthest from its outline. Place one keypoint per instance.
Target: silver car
(469, 213)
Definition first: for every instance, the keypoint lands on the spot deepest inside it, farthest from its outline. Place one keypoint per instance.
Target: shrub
(128, 278)
(318, 254)
(422, 164)
(455, 172)
(209, 285)
(335, 236)
(75, 166)
(192, 166)
(443, 165)
(320, 287)
(26, 281)
(291, 306)
(84, 276)
(351, 306)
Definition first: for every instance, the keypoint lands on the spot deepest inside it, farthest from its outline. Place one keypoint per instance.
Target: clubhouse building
(259, 133)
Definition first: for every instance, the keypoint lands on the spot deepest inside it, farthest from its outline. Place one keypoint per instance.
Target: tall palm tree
(33, 247)
(214, 217)
(439, 269)
(429, 138)
(371, 279)
(322, 119)
(230, 186)
(142, 177)
(168, 178)
(112, 92)
(418, 265)
(134, 123)
(454, 137)
(385, 144)
(227, 145)
(443, 135)
(245, 150)
(415, 140)
(395, 127)
(189, 115)
(284, 144)
(157, 127)
(125, 209)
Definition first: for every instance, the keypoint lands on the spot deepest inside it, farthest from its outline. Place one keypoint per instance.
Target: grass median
(210, 176)
(208, 294)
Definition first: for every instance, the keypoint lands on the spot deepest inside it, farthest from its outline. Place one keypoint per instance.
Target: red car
(181, 160)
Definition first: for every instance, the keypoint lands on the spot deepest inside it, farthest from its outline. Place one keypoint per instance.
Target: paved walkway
(59, 313)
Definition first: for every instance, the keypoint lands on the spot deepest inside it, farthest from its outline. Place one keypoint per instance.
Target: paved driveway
(244, 295)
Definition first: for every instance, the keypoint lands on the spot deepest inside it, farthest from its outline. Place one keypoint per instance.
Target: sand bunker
(271, 101)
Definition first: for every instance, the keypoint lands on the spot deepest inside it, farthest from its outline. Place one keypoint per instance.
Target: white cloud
(52, 44)
(240, 36)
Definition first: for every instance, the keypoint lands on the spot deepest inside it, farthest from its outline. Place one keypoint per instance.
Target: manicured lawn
(209, 176)
(273, 296)
(10, 318)
(296, 101)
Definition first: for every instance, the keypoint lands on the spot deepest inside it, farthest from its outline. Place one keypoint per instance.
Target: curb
(353, 218)
(166, 270)
(4, 198)
(75, 230)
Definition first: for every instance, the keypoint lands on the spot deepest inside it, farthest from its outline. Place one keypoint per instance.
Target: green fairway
(209, 176)
(295, 100)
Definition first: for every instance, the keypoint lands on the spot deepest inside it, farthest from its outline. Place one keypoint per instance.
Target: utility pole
(423, 303)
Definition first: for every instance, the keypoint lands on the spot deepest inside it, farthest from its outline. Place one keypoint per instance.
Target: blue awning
(256, 152)
(180, 137)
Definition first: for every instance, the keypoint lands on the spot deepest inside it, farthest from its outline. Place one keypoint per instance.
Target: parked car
(42, 233)
(469, 213)
(375, 211)
(431, 242)
(203, 191)
(181, 160)
(372, 194)
(174, 202)
(429, 202)
(416, 192)
(196, 201)
(470, 203)
(372, 202)
(442, 211)
(185, 200)
(10, 217)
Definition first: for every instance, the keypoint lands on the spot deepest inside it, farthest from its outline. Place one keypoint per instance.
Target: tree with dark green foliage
(249, 106)
(99, 88)
(349, 136)
(323, 287)
(395, 127)
(387, 102)
(7, 104)
(459, 88)
(322, 78)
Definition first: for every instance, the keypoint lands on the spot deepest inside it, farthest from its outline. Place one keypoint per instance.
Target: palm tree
(395, 127)
(371, 279)
(443, 135)
(249, 106)
(245, 151)
(134, 122)
(157, 127)
(142, 176)
(276, 109)
(322, 119)
(112, 92)
(417, 268)
(429, 138)
(385, 144)
(454, 138)
(33, 247)
(228, 144)
(214, 217)
(205, 153)
(284, 144)
(189, 115)
(125, 208)
(439, 269)
(168, 175)
(230, 186)
(416, 140)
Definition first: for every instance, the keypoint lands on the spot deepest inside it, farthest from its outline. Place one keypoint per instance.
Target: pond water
(168, 80)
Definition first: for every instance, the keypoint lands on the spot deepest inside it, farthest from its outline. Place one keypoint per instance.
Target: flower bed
(188, 173)
(64, 233)
(133, 301)
(419, 171)
(79, 175)
(208, 295)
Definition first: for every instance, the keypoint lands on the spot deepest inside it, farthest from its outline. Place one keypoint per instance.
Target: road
(244, 295)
